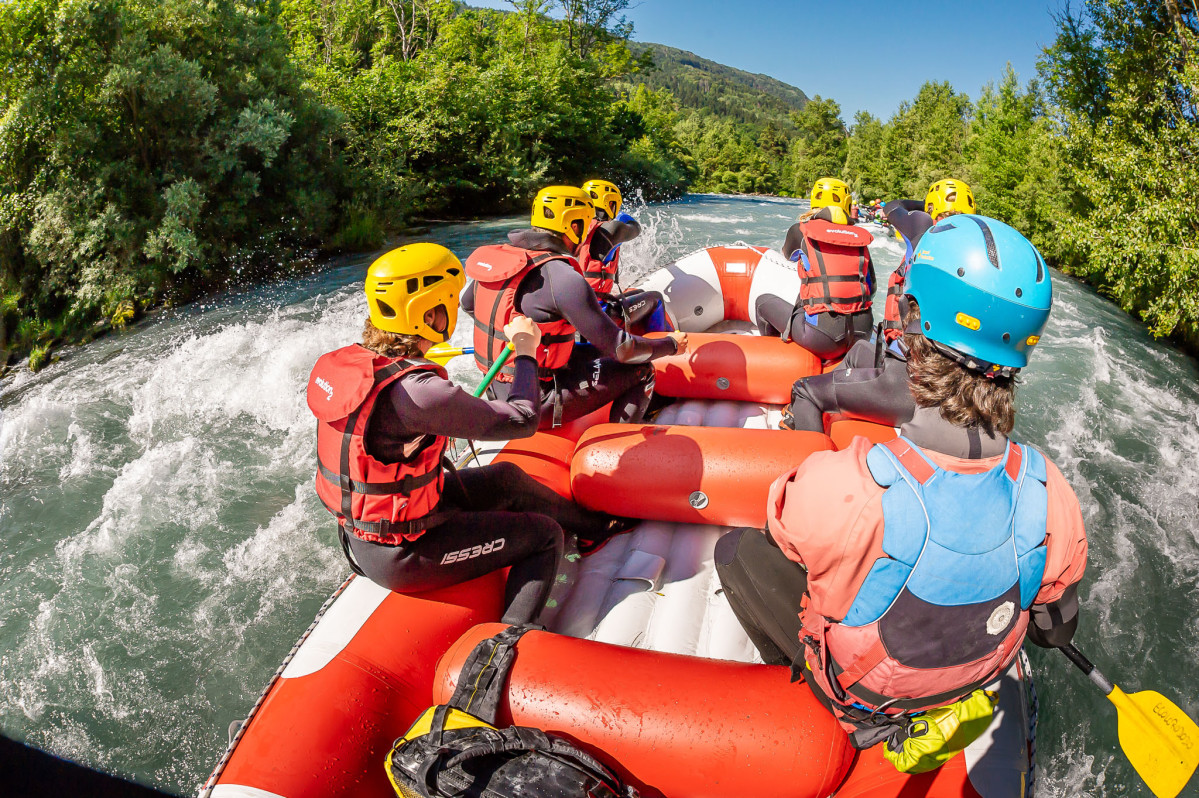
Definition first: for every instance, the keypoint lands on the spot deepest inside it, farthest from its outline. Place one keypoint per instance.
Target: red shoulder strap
(910, 459)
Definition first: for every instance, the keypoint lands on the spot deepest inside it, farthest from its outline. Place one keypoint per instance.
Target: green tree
(820, 145)
(864, 168)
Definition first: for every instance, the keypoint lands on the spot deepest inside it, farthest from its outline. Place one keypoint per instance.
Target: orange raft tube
(741, 729)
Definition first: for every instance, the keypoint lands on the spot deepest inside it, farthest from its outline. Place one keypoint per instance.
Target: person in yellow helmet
(836, 273)
(384, 416)
(872, 381)
(537, 275)
(599, 257)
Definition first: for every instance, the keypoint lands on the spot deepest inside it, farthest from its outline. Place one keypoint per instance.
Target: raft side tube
(347, 712)
(693, 475)
(743, 368)
(672, 725)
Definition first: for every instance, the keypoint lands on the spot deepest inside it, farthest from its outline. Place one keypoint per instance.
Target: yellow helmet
(605, 196)
(949, 195)
(406, 283)
(559, 208)
(831, 191)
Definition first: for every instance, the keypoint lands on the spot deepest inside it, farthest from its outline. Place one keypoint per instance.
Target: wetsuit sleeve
(425, 403)
(827, 516)
(912, 223)
(566, 294)
(793, 241)
(612, 234)
(467, 300)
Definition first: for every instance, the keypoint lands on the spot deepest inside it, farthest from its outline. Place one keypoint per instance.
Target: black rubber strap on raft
(484, 675)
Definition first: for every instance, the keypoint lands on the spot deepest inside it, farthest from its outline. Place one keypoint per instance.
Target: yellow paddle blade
(1161, 742)
(442, 354)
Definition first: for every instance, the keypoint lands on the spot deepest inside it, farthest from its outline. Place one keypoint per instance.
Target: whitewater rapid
(164, 547)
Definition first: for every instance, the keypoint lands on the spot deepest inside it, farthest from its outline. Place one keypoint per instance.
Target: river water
(163, 547)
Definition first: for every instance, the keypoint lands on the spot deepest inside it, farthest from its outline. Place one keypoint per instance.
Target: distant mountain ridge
(702, 84)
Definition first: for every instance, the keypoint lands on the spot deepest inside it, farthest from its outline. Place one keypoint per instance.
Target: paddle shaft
(1087, 667)
(494, 370)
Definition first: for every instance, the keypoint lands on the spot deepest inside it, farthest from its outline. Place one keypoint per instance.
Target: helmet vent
(961, 272)
(547, 212)
(430, 279)
(1019, 293)
(387, 310)
(413, 285)
(992, 253)
(1007, 337)
(943, 227)
(1040, 269)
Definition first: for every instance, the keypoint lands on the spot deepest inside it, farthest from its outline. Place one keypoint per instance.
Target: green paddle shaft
(494, 370)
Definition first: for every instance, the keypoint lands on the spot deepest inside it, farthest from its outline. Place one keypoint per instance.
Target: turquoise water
(164, 548)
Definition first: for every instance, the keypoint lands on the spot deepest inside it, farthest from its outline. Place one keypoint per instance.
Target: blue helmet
(984, 292)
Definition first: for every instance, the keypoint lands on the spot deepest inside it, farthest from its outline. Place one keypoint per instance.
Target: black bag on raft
(454, 750)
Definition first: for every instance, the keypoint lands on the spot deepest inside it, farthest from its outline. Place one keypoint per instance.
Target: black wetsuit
(479, 507)
(826, 335)
(859, 387)
(765, 589)
(612, 367)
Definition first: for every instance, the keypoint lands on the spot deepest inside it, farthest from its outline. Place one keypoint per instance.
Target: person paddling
(836, 274)
(539, 277)
(871, 383)
(385, 415)
(942, 550)
(598, 254)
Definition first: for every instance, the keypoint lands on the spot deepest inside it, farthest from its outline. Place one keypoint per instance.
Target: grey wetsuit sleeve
(912, 224)
(612, 234)
(467, 300)
(793, 241)
(563, 293)
(427, 404)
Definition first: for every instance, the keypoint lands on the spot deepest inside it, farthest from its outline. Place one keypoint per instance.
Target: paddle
(494, 370)
(442, 354)
(1160, 741)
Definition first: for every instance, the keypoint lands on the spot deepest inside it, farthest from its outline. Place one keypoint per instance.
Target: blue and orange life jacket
(945, 610)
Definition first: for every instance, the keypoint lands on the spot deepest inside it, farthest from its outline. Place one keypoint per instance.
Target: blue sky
(868, 56)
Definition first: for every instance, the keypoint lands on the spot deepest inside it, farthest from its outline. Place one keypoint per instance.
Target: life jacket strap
(910, 459)
(406, 486)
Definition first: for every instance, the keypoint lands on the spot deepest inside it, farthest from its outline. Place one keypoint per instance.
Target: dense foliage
(149, 150)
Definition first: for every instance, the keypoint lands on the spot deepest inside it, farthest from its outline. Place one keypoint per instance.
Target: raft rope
(1034, 706)
(206, 790)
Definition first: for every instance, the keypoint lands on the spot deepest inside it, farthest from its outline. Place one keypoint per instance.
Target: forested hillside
(700, 84)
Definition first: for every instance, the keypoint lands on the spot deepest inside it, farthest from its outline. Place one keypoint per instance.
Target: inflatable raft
(644, 664)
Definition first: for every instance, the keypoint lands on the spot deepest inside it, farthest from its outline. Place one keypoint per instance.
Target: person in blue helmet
(952, 543)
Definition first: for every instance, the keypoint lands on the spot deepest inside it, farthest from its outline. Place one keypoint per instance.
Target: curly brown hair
(965, 398)
(390, 344)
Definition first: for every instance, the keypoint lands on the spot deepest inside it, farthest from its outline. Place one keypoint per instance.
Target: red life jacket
(498, 271)
(600, 276)
(835, 269)
(375, 501)
(945, 609)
